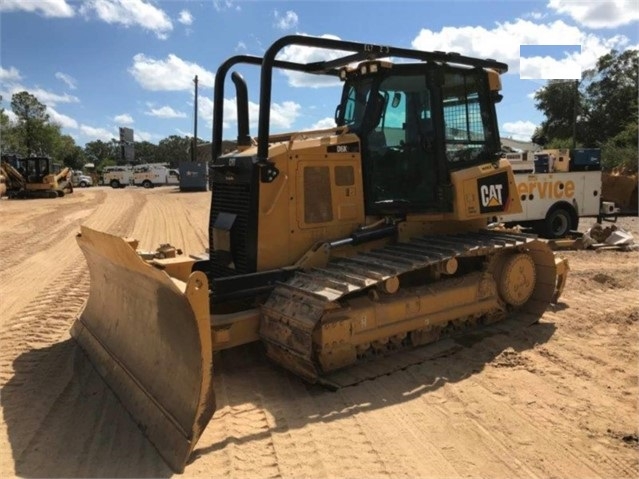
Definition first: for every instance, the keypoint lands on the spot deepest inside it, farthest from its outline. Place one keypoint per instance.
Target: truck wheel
(115, 184)
(558, 223)
(83, 184)
(147, 184)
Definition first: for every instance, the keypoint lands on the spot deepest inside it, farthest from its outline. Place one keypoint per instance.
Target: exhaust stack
(243, 136)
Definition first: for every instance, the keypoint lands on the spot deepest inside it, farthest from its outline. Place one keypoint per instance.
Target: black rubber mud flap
(149, 337)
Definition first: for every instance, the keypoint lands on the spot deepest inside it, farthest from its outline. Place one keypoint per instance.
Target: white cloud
(535, 15)
(44, 96)
(67, 79)
(165, 112)
(171, 74)
(12, 116)
(283, 115)
(97, 133)
(302, 54)
(63, 120)
(241, 46)
(185, 17)
(549, 68)
(518, 130)
(52, 99)
(147, 136)
(287, 21)
(123, 119)
(12, 74)
(221, 5)
(599, 13)
(130, 13)
(324, 123)
(503, 41)
(48, 8)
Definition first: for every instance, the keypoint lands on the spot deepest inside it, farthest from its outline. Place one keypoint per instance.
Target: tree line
(599, 111)
(34, 133)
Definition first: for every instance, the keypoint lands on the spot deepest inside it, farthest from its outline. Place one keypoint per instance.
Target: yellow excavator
(339, 249)
(35, 177)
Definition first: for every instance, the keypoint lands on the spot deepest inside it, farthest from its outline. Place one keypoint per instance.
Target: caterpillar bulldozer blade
(149, 337)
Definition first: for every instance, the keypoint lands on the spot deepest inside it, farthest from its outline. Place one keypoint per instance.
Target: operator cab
(417, 123)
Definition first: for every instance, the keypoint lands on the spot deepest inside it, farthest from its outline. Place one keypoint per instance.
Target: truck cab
(78, 178)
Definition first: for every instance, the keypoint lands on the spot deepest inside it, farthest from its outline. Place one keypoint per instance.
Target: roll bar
(356, 52)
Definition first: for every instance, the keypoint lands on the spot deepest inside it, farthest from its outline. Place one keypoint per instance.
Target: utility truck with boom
(333, 247)
(556, 189)
(151, 175)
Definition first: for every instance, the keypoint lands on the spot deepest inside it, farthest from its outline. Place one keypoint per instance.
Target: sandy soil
(558, 399)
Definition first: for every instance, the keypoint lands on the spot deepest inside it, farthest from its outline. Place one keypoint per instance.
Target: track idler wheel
(516, 278)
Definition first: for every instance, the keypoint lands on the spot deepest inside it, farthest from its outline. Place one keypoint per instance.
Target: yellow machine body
(335, 247)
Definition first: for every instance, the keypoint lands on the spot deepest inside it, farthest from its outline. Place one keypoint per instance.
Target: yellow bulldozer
(35, 177)
(335, 248)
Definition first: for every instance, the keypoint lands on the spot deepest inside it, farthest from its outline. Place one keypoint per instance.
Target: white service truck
(558, 188)
(151, 175)
(117, 176)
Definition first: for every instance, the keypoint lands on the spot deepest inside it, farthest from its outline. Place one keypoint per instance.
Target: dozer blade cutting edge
(149, 337)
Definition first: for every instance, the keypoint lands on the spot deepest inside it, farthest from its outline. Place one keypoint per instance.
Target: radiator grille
(235, 199)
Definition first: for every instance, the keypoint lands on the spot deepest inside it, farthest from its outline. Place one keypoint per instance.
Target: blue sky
(103, 64)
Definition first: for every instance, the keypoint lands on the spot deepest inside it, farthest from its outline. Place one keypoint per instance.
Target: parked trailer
(193, 176)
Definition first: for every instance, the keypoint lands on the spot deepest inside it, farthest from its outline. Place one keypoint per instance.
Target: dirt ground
(558, 399)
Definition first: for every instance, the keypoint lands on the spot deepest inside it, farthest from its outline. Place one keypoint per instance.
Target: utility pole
(194, 148)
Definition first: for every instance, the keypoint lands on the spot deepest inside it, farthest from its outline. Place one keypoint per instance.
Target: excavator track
(353, 311)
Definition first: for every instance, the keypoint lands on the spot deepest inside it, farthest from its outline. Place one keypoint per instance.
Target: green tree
(102, 152)
(145, 152)
(8, 140)
(558, 100)
(611, 94)
(34, 132)
(174, 150)
(606, 114)
(69, 153)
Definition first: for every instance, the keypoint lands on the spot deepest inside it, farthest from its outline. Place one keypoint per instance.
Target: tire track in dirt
(539, 424)
(44, 229)
(411, 438)
(31, 344)
(285, 398)
(344, 446)
(168, 218)
(118, 215)
(44, 321)
(248, 446)
(47, 318)
(465, 444)
(488, 411)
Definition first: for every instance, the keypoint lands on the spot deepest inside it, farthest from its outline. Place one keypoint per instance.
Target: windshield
(355, 103)
(467, 117)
